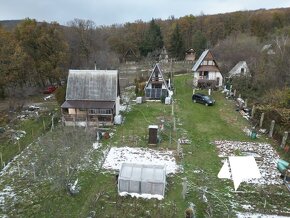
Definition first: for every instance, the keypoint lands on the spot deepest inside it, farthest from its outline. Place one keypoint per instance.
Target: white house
(240, 69)
(206, 70)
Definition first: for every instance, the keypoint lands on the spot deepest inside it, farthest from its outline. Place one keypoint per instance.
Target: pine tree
(152, 40)
(199, 42)
(176, 48)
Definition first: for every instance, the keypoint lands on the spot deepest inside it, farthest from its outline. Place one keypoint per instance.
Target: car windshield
(207, 98)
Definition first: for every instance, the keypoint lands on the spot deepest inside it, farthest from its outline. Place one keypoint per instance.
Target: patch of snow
(48, 97)
(7, 193)
(117, 156)
(258, 215)
(247, 206)
(97, 145)
(146, 196)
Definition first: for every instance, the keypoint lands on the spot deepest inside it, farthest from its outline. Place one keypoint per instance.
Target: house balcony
(88, 120)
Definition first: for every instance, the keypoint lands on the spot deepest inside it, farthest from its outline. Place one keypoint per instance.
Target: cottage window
(100, 111)
(104, 119)
(157, 86)
(203, 75)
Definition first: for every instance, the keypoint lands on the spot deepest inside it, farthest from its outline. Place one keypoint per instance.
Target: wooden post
(52, 123)
(253, 111)
(178, 148)
(235, 92)
(284, 139)
(34, 175)
(272, 128)
(261, 120)
(18, 167)
(184, 187)
(170, 137)
(1, 159)
(246, 103)
(172, 108)
(174, 124)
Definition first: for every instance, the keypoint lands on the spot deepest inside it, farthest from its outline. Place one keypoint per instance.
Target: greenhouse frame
(142, 179)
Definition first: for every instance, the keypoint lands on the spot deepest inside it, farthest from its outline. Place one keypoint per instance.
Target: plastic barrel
(283, 162)
(253, 135)
(281, 167)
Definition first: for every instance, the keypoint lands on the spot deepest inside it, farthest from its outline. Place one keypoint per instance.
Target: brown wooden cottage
(156, 85)
(206, 70)
(130, 57)
(92, 98)
(190, 54)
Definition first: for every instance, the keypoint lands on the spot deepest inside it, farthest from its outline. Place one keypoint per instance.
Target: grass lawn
(200, 165)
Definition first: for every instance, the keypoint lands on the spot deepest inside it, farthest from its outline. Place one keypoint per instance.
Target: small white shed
(142, 179)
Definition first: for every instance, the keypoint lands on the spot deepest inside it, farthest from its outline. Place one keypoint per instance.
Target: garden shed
(142, 179)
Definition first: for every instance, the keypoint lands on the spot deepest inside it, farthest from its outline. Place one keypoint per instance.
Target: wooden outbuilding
(92, 98)
(130, 57)
(190, 54)
(153, 131)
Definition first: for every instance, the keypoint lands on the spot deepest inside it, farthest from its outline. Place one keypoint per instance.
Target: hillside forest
(36, 54)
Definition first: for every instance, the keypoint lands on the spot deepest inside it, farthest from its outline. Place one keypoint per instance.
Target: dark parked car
(203, 99)
(49, 90)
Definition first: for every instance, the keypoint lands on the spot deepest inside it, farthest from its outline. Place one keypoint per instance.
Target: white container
(139, 100)
(118, 119)
(167, 100)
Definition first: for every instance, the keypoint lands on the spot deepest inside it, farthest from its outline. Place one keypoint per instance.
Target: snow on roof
(117, 156)
(200, 59)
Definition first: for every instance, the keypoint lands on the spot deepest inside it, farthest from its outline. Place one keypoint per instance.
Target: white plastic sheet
(239, 169)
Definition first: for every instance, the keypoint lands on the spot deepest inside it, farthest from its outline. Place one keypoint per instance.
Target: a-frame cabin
(156, 85)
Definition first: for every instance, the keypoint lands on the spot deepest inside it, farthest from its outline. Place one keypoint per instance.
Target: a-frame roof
(190, 51)
(157, 68)
(206, 55)
(241, 64)
(130, 53)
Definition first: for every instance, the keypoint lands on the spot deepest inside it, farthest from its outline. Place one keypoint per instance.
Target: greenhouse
(142, 179)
